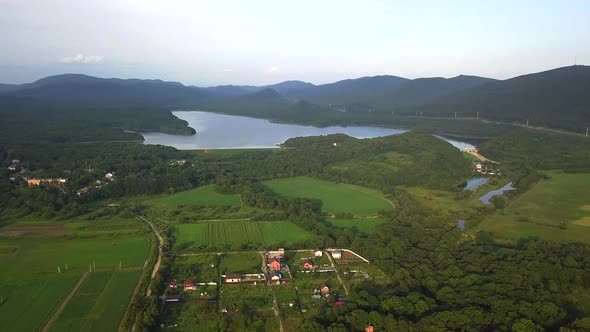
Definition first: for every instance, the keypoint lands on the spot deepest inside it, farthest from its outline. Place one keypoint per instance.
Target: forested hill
(555, 98)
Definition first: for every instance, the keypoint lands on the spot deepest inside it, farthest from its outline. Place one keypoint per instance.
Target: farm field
(363, 225)
(202, 196)
(556, 209)
(38, 255)
(195, 268)
(225, 233)
(99, 304)
(30, 300)
(241, 263)
(336, 197)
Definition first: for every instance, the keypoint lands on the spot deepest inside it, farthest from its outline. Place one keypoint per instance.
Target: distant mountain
(556, 97)
(82, 89)
(350, 90)
(8, 87)
(290, 87)
(264, 96)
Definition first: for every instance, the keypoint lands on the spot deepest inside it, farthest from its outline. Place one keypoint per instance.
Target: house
(233, 278)
(318, 253)
(189, 286)
(337, 304)
(109, 176)
(369, 328)
(82, 190)
(324, 289)
(12, 167)
(478, 166)
(274, 264)
(47, 182)
(308, 265)
(173, 284)
(337, 254)
(172, 298)
(316, 296)
(276, 276)
(15, 161)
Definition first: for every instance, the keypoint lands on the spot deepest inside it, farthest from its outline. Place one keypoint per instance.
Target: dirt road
(64, 303)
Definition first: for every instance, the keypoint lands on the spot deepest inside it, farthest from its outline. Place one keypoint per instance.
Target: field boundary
(353, 187)
(61, 308)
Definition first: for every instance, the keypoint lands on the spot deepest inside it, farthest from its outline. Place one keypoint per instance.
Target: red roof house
(189, 285)
(173, 284)
(308, 265)
(274, 264)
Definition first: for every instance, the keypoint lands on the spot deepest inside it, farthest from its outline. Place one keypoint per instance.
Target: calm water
(476, 182)
(218, 131)
(461, 224)
(486, 198)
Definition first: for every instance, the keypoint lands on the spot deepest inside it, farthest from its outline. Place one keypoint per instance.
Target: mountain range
(558, 97)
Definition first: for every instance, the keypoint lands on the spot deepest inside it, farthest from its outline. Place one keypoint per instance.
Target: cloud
(272, 69)
(81, 58)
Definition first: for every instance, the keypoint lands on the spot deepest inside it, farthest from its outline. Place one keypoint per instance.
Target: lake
(221, 131)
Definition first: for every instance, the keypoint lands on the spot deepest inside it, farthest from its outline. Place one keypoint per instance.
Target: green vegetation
(555, 209)
(335, 197)
(237, 233)
(363, 225)
(99, 304)
(202, 196)
(30, 299)
(241, 263)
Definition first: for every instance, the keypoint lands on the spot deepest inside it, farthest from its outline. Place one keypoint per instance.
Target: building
(233, 278)
(109, 176)
(337, 254)
(478, 166)
(369, 328)
(324, 289)
(308, 265)
(55, 182)
(276, 276)
(189, 286)
(173, 284)
(318, 253)
(172, 298)
(274, 264)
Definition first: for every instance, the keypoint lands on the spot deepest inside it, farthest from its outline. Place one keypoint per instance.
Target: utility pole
(527, 123)
(420, 114)
(455, 115)
(586, 131)
(477, 116)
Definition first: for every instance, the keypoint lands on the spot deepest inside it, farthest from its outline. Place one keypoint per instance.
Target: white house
(337, 254)
(318, 253)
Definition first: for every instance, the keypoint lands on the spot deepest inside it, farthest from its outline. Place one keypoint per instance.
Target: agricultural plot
(29, 301)
(202, 196)
(241, 263)
(99, 304)
(336, 197)
(362, 225)
(238, 233)
(237, 297)
(189, 317)
(47, 254)
(556, 209)
(202, 268)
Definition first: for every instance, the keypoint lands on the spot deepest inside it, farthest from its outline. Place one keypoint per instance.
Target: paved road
(64, 303)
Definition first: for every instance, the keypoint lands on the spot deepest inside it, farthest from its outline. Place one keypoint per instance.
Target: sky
(254, 42)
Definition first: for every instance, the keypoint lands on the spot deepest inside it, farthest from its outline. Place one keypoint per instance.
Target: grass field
(99, 303)
(46, 254)
(30, 301)
(541, 211)
(363, 225)
(336, 197)
(241, 263)
(224, 233)
(202, 196)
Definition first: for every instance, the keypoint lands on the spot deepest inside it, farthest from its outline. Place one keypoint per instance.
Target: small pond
(476, 182)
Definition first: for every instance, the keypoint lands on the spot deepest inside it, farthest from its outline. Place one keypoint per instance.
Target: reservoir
(220, 131)
(475, 182)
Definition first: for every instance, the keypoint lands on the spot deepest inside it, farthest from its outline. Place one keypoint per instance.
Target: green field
(29, 301)
(225, 233)
(202, 196)
(241, 263)
(363, 225)
(336, 197)
(556, 209)
(99, 304)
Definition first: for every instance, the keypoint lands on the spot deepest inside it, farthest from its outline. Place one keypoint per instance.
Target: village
(280, 283)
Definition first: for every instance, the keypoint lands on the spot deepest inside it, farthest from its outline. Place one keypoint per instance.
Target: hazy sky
(261, 42)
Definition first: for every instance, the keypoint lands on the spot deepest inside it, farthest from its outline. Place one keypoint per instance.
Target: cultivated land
(202, 196)
(99, 304)
(556, 209)
(33, 288)
(227, 233)
(336, 197)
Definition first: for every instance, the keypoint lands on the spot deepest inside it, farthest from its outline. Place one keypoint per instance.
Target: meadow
(223, 233)
(202, 196)
(241, 263)
(99, 304)
(336, 197)
(555, 209)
